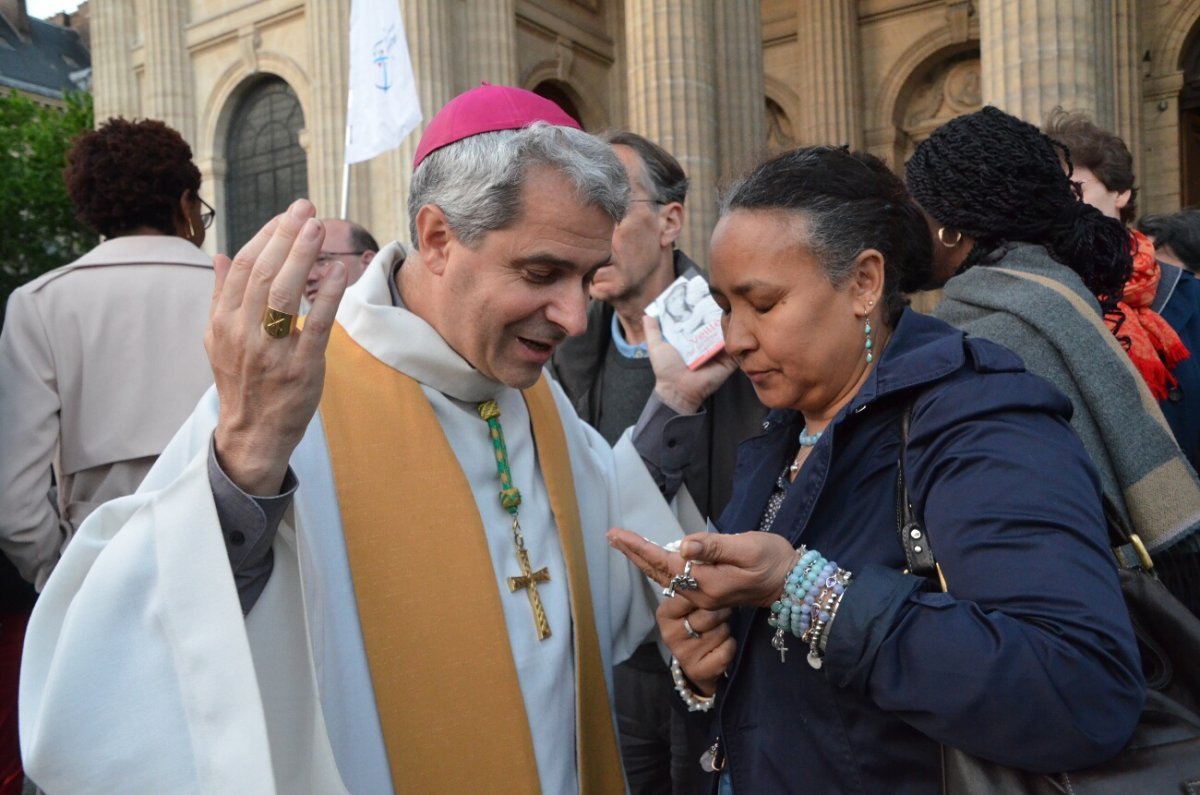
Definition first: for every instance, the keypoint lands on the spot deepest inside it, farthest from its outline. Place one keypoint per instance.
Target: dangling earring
(949, 243)
(867, 330)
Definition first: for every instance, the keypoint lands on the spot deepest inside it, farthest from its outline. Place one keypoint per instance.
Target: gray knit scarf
(1154, 482)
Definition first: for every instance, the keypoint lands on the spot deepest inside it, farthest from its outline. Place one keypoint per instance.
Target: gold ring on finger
(277, 323)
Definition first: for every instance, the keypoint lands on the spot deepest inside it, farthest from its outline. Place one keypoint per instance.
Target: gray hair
(848, 202)
(477, 181)
(667, 180)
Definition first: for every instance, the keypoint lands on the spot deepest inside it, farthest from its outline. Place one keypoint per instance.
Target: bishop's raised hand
(269, 384)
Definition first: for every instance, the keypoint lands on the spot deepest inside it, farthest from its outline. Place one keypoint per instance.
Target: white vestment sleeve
(138, 673)
(643, 511)
(634, 503)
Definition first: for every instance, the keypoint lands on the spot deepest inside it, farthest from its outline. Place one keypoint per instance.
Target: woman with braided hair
(1029, 265)
(989, 179)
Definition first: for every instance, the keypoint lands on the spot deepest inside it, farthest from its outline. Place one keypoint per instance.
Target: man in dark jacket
(608, 376)
(606, 371)
(1176, 237)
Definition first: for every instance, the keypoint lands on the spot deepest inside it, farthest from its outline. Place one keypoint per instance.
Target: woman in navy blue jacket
(844, 677)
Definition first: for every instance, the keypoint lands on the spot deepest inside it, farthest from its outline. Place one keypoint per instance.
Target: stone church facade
(259, 88)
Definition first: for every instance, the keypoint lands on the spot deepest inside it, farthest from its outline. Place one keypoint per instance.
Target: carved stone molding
(950, 90)
(963, 91)
(249, 41)
(564, 57)
(958, 18)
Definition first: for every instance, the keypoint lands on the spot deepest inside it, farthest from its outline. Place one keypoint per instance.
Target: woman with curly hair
(103, 358)
(1029, 265)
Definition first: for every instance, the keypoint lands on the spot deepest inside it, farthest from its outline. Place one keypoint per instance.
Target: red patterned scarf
(1153, 345)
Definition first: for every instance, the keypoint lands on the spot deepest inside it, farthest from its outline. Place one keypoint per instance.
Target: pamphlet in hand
(690, 320)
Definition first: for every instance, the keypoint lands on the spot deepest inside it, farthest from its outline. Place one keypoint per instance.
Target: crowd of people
(453, 516)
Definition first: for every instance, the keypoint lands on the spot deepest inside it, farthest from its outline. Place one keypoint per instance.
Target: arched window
(267, 169)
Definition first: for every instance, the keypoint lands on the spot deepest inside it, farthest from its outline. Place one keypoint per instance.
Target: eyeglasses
(330, 256)
(207, 214)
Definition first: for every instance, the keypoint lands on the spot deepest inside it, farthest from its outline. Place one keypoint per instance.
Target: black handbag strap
(918, 553)
(918, 550)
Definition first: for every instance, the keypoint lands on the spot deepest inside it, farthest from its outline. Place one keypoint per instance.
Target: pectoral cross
(510, 500)
(529, 580)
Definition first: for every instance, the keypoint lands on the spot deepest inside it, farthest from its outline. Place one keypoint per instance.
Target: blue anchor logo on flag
(381, 52)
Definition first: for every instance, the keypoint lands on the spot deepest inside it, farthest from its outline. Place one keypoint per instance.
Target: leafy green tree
(38, 228)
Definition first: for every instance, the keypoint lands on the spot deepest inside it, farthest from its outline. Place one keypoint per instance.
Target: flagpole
(346, 165)
(345, 191)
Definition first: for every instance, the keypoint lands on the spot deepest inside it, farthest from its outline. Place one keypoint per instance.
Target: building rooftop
(40, 58)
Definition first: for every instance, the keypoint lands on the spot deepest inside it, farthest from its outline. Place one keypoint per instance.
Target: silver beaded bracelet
(694, 701)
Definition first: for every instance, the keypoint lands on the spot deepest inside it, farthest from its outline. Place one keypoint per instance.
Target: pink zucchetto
(486, 109)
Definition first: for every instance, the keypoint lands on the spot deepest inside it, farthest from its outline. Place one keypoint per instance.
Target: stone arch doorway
(267, 168)
(946, 85)
(1189, 121)
(560, 94)
(781, 135)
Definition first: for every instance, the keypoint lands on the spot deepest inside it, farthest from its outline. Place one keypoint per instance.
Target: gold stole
(437, 646)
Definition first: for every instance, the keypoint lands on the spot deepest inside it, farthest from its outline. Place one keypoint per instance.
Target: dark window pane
(267, 169)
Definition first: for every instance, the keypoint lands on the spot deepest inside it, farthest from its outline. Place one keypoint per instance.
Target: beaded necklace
(510, 500)
(806, 440)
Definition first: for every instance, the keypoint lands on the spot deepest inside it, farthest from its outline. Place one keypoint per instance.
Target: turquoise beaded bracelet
(811, 594)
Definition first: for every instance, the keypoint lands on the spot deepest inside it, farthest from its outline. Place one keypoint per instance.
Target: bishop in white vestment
(141, 673)
(143, 621)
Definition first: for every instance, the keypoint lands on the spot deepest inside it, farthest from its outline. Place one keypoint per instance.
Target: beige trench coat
(101, 361)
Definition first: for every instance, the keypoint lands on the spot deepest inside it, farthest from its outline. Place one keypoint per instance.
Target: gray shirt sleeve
(666, 440)
(248, 524)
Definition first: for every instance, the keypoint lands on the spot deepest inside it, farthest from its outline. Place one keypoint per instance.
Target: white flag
(383, 106)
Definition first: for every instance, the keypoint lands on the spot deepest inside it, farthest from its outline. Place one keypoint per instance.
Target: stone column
(167, 83)
(829, 82)
(1127, 105)
(114, 87)
(431, 45)
(213, 188)
(741, 99)
(672, 99)
(1036, 54)
(492, 42)
(1103, 109)
(328, 23)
